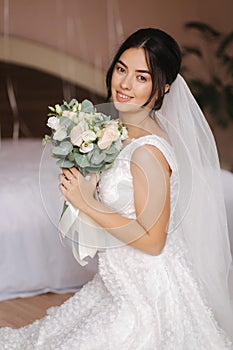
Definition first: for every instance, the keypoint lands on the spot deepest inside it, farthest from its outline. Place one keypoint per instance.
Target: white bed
(32, 257)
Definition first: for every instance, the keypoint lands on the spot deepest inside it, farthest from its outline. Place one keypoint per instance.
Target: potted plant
(214, 93)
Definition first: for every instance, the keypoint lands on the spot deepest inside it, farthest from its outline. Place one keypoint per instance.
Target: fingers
(71, 172)
(67, 173)
(64, 181)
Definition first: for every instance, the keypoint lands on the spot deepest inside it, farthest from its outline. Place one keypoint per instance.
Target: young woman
(163, 283)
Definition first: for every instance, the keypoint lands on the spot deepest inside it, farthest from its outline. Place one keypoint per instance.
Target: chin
(127, 107)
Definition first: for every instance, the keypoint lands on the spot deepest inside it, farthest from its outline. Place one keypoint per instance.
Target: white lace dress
(135, 300)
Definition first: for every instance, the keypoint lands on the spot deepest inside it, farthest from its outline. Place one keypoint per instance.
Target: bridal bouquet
(89, 140)
(84, 138)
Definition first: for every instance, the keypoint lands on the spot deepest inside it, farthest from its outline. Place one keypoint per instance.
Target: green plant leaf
(228, 90)
(188, 50)
(227, 40)
(205, 29)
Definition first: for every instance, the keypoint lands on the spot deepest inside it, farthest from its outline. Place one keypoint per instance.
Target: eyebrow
(137, 70)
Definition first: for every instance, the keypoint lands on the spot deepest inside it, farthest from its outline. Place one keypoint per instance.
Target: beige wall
(87, 33)
(87, 29)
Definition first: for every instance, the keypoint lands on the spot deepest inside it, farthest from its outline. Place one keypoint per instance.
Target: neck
(138, 126)
(134, 118)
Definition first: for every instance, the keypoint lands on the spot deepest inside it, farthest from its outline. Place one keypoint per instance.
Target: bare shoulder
(148, 155)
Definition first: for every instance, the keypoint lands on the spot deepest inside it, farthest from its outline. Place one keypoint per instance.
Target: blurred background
(59, 49)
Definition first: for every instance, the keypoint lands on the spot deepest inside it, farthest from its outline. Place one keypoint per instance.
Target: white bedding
(32, 258)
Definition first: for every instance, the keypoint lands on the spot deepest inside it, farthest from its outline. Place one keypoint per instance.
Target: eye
(142, 78)
(120, 69)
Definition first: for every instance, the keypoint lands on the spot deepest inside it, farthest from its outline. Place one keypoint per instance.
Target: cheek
(144, 92)
(115, 77)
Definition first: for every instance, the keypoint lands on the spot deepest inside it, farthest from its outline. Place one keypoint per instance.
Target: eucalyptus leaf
(63, 149)
(71, 157)
(67, 122)
(64, 163)
(72, 102)
(87, 106)
(81, 160)
(97, 157)
(111, 150)
(110, 158)
(65, 106)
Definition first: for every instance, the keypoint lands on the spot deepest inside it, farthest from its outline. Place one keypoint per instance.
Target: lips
(121, 97)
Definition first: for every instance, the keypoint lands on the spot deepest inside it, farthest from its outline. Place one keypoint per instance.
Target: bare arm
(150, 172)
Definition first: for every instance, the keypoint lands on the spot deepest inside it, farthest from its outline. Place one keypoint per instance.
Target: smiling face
(131, 81)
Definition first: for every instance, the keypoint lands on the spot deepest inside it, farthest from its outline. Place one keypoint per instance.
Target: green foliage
(215, 95)
(64, 148)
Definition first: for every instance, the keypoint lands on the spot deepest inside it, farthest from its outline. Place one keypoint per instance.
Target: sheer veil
(200, 209)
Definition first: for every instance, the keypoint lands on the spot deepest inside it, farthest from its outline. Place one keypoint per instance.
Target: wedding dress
(135, 300)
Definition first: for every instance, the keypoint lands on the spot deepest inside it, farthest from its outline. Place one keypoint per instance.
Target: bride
(163, 282)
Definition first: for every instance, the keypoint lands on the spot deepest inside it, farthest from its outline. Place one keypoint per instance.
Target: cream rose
(108, 137)
(76, 136)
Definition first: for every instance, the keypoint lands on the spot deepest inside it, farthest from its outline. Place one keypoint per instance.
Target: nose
(126, 82)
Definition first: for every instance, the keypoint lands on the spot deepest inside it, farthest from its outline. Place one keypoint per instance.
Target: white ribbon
(91, 237)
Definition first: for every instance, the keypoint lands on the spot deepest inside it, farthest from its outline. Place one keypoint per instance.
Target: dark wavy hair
(163, 57)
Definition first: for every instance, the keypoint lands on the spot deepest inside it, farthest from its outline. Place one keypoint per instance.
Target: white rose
(86, 147)
(60, 134)
(76, 135)
(89, 136)
(53, 123)
(124, 134)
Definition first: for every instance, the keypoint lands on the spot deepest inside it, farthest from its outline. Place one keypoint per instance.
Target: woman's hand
(76, 189)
